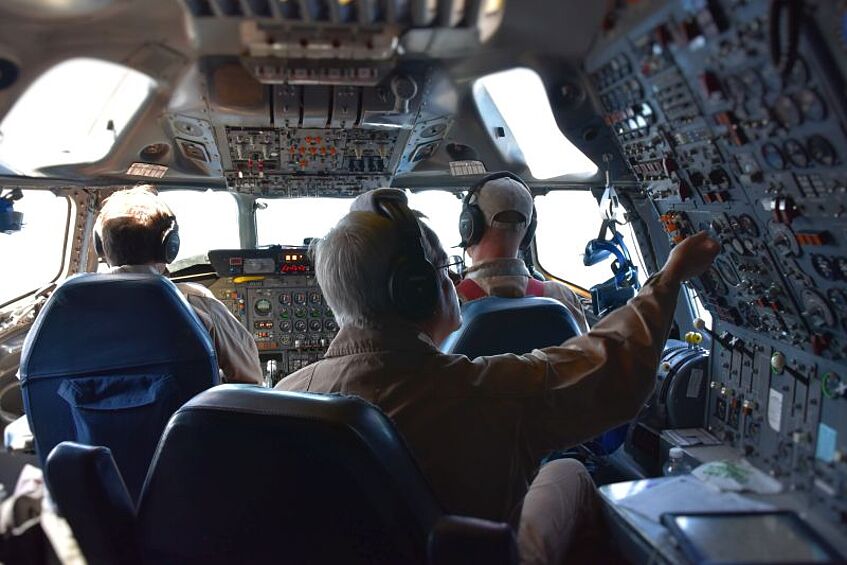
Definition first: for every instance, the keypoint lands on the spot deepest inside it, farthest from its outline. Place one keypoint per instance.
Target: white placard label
(775, 410)
(693, 390)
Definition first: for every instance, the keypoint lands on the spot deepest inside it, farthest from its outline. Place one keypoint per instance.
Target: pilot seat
(245, 474)
(107, 362)
(496, 325)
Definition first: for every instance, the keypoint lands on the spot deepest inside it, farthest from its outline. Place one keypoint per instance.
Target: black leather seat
(495, 325)
(108, 361)
(251, 475)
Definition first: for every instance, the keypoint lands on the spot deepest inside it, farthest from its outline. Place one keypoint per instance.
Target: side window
(39, 248)
(567, 221)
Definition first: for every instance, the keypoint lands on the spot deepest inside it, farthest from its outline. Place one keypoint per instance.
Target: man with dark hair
(506, 211)
(134, 233)
(478, 428)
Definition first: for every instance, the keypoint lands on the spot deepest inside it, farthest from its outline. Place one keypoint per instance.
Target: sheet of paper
(687, 494)
(737, 476)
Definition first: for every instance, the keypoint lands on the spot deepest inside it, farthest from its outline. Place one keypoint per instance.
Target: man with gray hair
(478, 428)
(497, 223)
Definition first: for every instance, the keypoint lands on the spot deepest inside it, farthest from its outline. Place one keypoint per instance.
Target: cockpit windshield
(290, 221)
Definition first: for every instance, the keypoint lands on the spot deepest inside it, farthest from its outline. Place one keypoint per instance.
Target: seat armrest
(458, 540)
(91, 495)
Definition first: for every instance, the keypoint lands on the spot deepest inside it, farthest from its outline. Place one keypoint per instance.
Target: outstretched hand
(692, 257)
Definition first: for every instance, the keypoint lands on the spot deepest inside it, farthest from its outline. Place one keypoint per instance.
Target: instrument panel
(274, 294)
(731, 115)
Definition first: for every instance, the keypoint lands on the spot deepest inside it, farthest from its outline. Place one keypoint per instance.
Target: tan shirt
(236, 350)
(509, 278)
(478, 428)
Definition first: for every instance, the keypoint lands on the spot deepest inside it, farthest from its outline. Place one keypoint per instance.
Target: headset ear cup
(170, 246)
(414, 288)
(471, 225)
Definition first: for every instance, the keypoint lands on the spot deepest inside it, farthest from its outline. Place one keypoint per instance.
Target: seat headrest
(496, 325)
(131, 319)
(317, 468)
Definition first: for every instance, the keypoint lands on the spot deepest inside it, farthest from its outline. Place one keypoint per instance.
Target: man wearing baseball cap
(497, 222)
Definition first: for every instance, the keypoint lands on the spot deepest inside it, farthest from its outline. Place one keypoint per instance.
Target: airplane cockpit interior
(633, 124)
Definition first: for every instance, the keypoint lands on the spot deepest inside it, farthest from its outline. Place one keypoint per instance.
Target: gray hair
(352, 264)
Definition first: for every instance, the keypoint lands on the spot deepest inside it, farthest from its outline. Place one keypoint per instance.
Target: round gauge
(285, 325)
(821, 150)
(753, 83)
(315, 298)
(299, 312)
(300, 325)
(315, 325)
(838, 298)
(773, 156)
(263, 307)
(783, 239)
(811, 105)
(824, 266)
(735, 86)
(330, 325)
(285, 298)
(796, 153)
(328, 313)
(817, 311)
(841, 264)
(786, 112)
(314, 312)
(299, 298)
(748, 224)
(728, 272)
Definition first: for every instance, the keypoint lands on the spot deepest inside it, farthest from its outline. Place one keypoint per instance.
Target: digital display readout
(294, 263)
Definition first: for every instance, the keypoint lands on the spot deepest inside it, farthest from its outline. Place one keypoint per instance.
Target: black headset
(472, 219)
(167, 252)
(412, 280)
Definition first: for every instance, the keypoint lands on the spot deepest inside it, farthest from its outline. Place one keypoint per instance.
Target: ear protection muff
(412, 281)
(472, 219)
(169, 244)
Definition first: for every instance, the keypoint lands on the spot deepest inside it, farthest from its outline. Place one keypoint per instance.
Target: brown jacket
(479, 427)
(509, 277)
(238, 357)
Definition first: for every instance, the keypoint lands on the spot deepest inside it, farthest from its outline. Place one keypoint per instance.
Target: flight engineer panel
(274, 294)
(731, 114)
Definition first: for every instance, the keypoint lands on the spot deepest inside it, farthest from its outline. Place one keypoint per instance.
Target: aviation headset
(168, 248)
(412, 279)
(601, 248)
(472, 219)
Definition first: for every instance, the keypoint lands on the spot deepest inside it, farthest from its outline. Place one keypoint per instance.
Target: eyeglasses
(455, 269)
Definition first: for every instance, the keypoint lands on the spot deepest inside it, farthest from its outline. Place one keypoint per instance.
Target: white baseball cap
(498, 197)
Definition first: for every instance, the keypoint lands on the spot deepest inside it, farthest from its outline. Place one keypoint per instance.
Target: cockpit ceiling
(285, 97)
